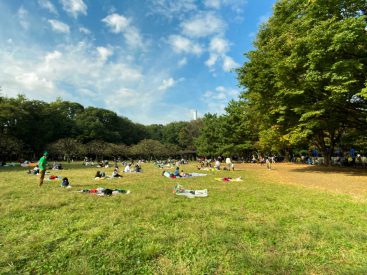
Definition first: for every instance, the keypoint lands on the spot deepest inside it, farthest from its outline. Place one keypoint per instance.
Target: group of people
(42, 166)
(115, 173)
(268, 160)
(129, 169)
(207, 164)
(180, 174)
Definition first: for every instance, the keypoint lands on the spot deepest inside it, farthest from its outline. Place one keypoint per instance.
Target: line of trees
(70, 148)
(67, 129)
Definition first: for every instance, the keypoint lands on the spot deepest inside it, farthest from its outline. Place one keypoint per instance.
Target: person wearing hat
(42, 166)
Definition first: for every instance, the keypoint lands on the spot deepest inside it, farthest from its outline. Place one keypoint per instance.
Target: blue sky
(153, 61)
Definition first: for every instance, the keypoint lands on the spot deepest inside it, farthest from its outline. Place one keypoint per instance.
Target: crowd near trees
(304, 87)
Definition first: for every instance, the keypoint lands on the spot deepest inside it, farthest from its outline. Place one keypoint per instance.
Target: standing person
(268, 163)
(42, 166)
(352, 153)
(229, 163)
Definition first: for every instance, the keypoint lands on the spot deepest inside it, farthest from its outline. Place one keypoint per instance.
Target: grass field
(259, 225)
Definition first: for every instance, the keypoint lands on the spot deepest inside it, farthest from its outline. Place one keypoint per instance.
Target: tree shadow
(349, 171)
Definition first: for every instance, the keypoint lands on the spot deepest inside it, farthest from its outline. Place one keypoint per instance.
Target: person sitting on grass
(127, 168)
(65, 183)
(34, 171)
(137, 168)
(57, 166)
(115, 173)
(177, 172)
(183, 174)
(217, 165)
(100, 174)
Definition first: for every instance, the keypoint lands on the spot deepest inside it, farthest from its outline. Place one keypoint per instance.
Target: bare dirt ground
(352, 181)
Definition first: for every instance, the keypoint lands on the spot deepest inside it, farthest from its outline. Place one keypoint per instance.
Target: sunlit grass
(241, 227)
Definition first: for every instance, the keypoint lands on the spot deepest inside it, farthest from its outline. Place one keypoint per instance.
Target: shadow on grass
(349, 171)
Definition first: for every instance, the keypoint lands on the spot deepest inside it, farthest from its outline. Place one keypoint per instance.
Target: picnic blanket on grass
(190, 175)
(180, 191)
(100, 191)
(228, 179)
(53, 177)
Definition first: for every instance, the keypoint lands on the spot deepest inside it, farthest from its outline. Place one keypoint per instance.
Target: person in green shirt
(42, 166)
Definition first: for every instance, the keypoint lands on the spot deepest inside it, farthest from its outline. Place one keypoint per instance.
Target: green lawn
(241, 227)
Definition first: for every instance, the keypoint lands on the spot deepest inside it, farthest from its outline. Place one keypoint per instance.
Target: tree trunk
(327, 157)
(287, 153)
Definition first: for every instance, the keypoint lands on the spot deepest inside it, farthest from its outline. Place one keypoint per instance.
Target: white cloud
(116, 22)
(166, 84)
(182, 62)
(120, 24)
(74, 7)
(58, 26)
(221, 93)
(182, 44)
(33, 81)
(212, 60)
(127, 96)
(203, 25)
(212, 4)
(76, 72)
(84, 30)
(236, 5)
(218, 45)
(133, 37)
(52, 56)
(46, 4)
(104, 53)
(75, 65)
(229, 64)
(217, 99)
(172, 9)
(218, 48)
(23, 17)
(21, 76)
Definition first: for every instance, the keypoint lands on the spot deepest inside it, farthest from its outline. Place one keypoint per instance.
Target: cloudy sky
(153, 61)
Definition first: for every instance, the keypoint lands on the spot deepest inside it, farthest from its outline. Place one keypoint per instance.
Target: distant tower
(195, 114)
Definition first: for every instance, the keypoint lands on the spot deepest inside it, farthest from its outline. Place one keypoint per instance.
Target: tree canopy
(69, 130)
(306, 77)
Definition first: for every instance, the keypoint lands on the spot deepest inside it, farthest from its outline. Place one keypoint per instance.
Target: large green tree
(188, 134)
(211, 139)
(240, 133)
(307, 74)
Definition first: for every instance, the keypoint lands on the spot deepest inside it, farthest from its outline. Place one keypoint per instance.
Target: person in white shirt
(127, 168)
(217, 164)
(229, 163)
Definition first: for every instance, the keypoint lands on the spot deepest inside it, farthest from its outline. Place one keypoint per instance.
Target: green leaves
(308, 73)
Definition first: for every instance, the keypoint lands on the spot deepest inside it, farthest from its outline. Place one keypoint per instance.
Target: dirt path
(334, 179)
